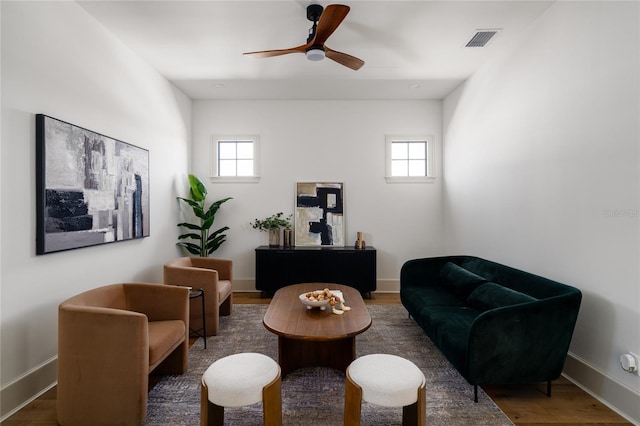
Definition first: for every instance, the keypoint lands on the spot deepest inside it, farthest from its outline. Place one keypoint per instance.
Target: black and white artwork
(91, 189)
(319, 214)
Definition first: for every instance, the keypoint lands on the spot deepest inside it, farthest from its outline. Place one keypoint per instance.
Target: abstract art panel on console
(319, 214)
(91, 189)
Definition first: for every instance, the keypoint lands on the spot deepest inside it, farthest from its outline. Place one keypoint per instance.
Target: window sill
(410, 179)
(234, 179)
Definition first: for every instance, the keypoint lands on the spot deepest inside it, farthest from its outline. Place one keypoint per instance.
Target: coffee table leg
(294, 354)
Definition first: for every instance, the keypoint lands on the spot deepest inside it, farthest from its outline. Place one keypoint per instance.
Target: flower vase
(274, 237)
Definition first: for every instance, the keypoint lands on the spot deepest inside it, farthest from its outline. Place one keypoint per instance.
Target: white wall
(58, 61)
(542, 173)
(341, 141)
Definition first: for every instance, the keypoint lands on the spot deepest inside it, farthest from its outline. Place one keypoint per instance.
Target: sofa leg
(549, 388)
(475, 393)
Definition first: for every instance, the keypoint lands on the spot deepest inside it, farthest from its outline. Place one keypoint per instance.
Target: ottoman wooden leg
(210, 413)
(272, 402)
(352, 402)
(416, 413)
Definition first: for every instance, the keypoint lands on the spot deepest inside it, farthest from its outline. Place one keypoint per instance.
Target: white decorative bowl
(322, 304)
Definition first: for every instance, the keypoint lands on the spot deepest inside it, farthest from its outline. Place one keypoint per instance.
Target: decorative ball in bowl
(315, 299)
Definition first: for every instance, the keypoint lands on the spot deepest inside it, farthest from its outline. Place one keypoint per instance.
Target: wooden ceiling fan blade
(331, 18)
(344, 59)
(270, 53)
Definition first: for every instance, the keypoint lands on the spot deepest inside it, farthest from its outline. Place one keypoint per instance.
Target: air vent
(482, 37)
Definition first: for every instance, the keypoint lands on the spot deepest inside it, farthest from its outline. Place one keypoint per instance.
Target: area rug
(315, 396)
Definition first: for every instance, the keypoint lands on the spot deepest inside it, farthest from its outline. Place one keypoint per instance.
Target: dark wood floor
(523, 404)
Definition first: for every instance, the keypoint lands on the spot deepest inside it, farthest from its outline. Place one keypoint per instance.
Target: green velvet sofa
(495, 324)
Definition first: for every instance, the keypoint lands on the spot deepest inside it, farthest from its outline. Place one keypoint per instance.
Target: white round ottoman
(386, 380)
(239, 380)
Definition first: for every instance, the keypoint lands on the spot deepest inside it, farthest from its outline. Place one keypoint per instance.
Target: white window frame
(213, 148)
(430, 160)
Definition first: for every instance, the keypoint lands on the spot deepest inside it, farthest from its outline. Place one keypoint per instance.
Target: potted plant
(272, 224)
(205, 241)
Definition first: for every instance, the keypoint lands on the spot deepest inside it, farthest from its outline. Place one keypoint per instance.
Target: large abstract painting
(319, 214)
(91, 189)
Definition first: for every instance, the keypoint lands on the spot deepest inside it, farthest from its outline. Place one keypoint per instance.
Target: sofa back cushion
(458, 280)
(491, 295)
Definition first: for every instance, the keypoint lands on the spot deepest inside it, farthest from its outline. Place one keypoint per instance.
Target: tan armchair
(109, 340)
(214, 276)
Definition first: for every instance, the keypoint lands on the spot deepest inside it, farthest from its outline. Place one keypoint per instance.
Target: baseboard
(244, 285)
(26, 388)
(612, 393)
(383, 286)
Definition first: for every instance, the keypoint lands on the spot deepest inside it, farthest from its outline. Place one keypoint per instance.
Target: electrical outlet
(637, 372)
(630, 363)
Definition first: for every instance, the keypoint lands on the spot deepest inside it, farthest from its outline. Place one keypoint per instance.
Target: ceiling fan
(325, 21)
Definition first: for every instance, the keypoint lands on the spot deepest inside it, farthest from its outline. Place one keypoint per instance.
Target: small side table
(201, 332)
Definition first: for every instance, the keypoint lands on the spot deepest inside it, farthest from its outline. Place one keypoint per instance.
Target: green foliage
(272, 222)
(205, 241)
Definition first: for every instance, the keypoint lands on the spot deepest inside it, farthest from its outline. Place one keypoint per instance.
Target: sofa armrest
(158, 301)
(521, 343)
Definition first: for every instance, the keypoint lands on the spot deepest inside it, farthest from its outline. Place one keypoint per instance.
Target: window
(409, 159)
(234, 158)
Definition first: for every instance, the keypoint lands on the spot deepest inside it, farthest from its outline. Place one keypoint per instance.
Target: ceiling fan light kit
(325, 22)
(315, 53)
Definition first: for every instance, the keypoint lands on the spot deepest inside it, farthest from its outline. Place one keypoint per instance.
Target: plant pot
(274, 237)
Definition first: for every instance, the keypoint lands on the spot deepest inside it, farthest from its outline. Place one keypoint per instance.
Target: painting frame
(319, 218)
(91, 189)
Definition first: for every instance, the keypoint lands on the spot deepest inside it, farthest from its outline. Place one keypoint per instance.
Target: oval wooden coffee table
(312, 337)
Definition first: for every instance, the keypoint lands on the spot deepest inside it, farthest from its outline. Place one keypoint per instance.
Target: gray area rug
(315, 396)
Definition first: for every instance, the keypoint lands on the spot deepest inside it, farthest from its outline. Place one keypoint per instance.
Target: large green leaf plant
(204, 240)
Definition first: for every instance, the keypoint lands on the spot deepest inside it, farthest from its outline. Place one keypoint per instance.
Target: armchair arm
(109, 346)
(206, 279)
(157, 301)
(223, 266)
(521, 343)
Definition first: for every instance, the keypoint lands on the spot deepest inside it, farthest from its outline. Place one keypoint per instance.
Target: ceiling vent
(482, 37)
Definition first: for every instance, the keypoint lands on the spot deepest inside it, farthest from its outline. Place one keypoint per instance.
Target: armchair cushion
(164, 337)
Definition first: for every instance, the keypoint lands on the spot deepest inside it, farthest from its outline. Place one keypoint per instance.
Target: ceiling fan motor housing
(314, 11)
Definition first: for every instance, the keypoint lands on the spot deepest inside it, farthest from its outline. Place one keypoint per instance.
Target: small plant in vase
(272, 224)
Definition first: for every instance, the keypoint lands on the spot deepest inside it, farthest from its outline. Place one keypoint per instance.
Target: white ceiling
(411, 49)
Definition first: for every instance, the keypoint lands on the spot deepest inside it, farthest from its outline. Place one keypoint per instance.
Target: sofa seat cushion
(491, 295)
(164, 337)
(416, 298)
(449, 328)
(458, 280)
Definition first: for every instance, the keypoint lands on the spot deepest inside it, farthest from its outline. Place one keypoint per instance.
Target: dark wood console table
(280, 267)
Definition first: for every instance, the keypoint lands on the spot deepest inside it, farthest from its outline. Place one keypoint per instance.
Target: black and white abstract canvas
(319, 214)
(91, 189)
